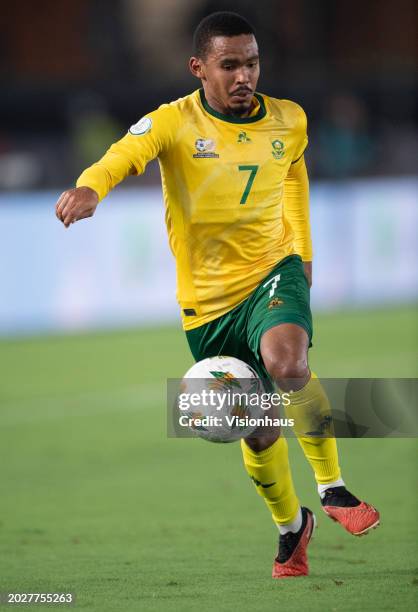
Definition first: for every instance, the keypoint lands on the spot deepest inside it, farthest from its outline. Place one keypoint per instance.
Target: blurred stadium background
(89, 327)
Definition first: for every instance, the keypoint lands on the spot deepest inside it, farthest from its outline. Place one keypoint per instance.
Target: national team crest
(205, 148)
(278, 148)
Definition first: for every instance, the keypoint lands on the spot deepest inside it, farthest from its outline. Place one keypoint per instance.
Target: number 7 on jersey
(253, 172)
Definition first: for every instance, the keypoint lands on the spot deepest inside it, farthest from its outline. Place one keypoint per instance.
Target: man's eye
(228, 67)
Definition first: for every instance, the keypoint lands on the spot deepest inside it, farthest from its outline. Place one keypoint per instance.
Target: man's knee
(285, 361)
(261, 442)
(286, 368)
(284, 350)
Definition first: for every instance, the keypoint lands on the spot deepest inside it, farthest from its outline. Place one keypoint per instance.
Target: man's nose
(243, 76)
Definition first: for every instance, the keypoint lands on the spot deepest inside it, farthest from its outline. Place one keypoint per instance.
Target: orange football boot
(356, 516)
(292, 560)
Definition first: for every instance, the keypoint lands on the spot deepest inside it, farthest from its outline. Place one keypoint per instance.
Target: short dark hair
(222, 23)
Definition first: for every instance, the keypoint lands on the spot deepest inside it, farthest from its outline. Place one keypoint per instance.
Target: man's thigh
(226, 336)
(282, 297)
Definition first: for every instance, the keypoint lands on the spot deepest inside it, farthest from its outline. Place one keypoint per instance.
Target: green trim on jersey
(261, 112)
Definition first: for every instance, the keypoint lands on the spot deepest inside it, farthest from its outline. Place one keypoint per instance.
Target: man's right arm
(76, 204)
(95, 183)
(130, 155)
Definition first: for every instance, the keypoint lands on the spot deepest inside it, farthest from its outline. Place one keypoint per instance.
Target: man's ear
(195, 66)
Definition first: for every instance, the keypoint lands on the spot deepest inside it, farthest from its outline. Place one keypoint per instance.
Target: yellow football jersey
(235, 191)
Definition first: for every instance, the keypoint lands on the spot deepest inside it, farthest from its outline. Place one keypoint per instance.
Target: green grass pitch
(95, 499)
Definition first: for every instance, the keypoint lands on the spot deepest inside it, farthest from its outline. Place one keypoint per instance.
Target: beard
(238, 110)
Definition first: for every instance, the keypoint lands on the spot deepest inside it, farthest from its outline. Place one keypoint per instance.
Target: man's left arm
(296, 205)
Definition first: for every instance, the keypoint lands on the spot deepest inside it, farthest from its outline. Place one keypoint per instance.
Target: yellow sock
(270, 472)
(311, 411)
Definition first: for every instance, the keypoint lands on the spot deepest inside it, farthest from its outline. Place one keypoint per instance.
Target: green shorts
(281, 297)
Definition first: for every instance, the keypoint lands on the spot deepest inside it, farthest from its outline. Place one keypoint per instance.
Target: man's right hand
(76, 204)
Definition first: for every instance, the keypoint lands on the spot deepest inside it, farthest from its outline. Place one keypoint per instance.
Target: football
(219, 399)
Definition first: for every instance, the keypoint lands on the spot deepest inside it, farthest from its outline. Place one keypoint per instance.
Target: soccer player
(236, 195)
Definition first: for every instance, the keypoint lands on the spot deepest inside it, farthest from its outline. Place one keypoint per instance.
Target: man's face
(229, 72)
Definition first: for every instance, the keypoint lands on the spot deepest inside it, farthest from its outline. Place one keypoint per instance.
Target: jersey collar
(261, 112)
